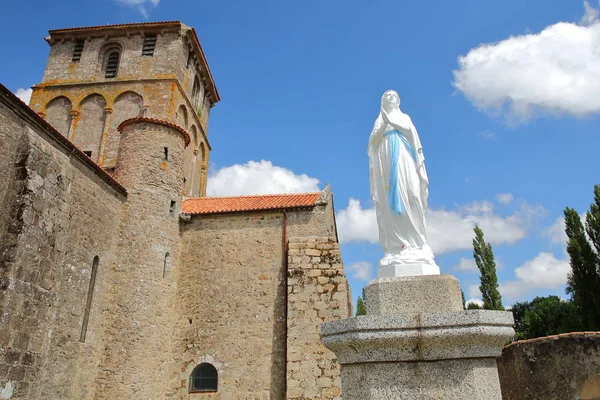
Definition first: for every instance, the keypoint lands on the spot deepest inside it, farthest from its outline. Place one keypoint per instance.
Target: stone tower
(98, 77)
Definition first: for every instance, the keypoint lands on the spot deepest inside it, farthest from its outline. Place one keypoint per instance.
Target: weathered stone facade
(317, 292)
(109, 287)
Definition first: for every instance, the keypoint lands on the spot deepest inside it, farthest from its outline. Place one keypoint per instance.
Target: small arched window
(112, 64)
(196, 94)
(204, 378)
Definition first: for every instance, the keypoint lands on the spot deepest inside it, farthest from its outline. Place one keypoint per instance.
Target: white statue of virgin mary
(399, 187)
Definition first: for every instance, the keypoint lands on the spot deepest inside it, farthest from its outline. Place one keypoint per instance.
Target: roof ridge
(130, 24)
(252, 195)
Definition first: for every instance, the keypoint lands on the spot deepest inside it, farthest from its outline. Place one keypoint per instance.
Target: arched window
(182, 117)
(112, 63)
(196, 94)
(58, 114)
(90, 128)
(204, 378)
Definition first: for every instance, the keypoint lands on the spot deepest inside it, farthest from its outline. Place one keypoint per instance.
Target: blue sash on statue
(394, 199)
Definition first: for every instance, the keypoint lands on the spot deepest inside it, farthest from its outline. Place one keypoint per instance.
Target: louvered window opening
(78, 50)
(149, 45)
(112, 65)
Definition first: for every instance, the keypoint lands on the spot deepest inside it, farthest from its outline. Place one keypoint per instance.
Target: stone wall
(317, 292)
(565, 366)
(232, 302)
(58, 213)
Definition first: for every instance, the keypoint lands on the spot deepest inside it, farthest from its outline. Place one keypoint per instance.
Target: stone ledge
(419, 337)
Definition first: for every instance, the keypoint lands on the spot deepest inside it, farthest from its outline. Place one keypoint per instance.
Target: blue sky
(503, 94)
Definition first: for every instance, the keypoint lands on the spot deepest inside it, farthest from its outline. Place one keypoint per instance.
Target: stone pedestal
(416, 342)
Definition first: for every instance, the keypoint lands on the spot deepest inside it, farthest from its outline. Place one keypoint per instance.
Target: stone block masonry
(317, 292)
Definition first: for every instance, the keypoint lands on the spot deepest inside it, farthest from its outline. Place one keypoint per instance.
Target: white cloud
(24, 95)
(554, 71)
(545, 271)
(590, 16)
(556, 232)
(258, 177)
(453, 230)
(447, 230)
(474, 290)
(355, 224)
(466, 264)
(487, 134)
(477, 301)
(361, 270)
(140, 5)
(505, 198)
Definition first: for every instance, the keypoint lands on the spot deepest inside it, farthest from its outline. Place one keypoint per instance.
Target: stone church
(119, 278)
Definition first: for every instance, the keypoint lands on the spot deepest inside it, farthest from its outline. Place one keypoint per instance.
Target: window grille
(149, 45)
(204, 378)
(112, 65)
(77, 50)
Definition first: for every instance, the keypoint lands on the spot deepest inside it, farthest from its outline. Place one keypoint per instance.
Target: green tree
(519, 309)
(584, 279)
(545, 316)
(361, 308)
(473, 306)
(484, 258)
(463, 299)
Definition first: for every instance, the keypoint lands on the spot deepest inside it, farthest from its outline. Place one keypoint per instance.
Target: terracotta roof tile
(137, 120)
(552, 337)
(81, 28)
(217, 205)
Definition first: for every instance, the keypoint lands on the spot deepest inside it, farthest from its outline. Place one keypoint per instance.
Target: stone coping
(419, 337)
(440, 319)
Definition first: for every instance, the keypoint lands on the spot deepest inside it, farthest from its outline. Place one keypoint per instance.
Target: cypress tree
(484, 258)
(361, 309)
(583, 282)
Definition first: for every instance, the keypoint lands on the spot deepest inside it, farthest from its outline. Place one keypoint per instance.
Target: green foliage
(474, 306)
(484, 258)
(584, 279)
(519, 309)
(361, 309)
(545, 316)
(463, 299)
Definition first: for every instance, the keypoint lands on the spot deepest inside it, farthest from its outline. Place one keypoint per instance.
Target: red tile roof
(135, 24)
(137, 120)
(217, 205)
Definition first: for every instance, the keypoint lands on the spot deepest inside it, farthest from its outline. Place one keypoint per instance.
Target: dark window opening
(112, 65)
(88, 153)
(149, 45)
(172, 207)
(167, 265)
(77, 50)
(204, 379)
(166, 156)
(88, 303)
(190, 60)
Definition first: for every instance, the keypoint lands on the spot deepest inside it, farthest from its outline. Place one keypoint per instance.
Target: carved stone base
(411, 262)
(416, 342)
(391, 270)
